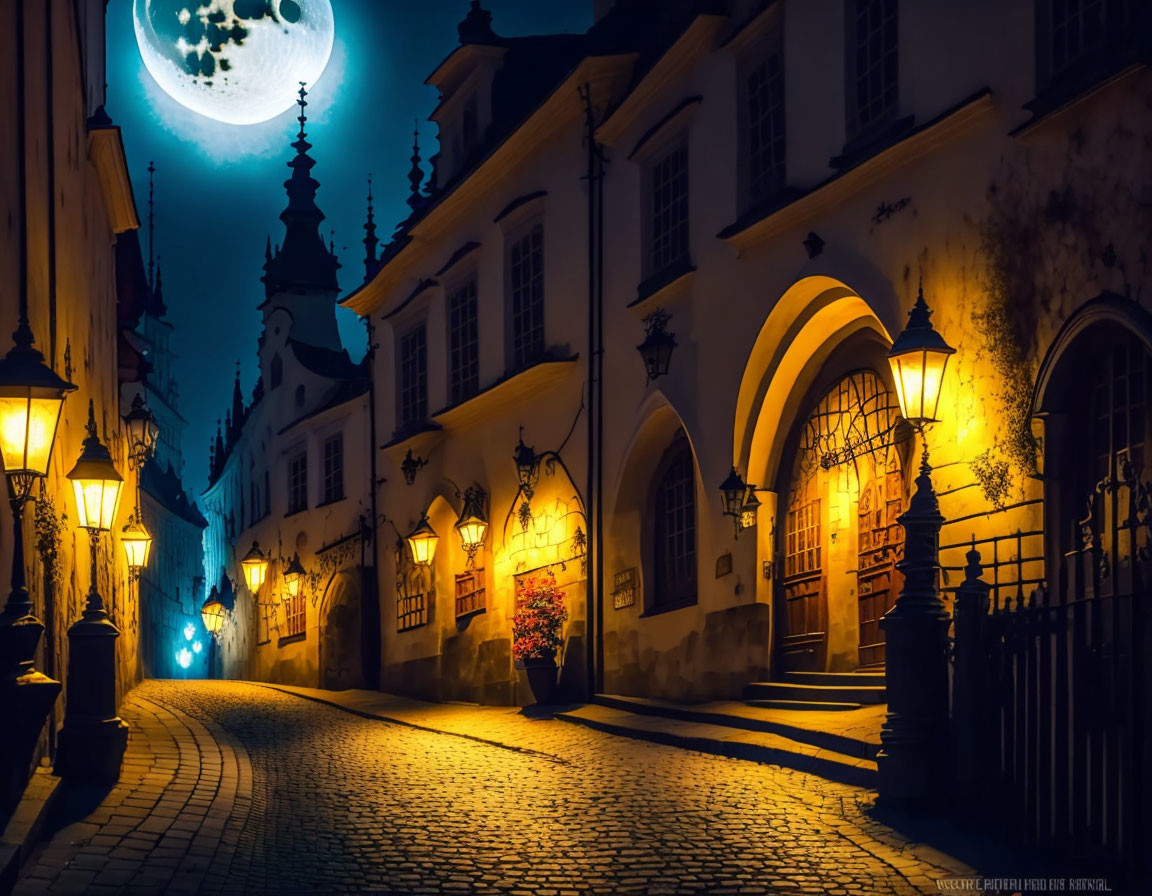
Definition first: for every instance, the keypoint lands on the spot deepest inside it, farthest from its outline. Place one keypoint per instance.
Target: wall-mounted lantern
(422, 542)
(255, 566)
(137, 544)
(410, 466)
(472, 524)
(750, 509)
(212, 614)
(527, 466)
(656, 349)
(142, 432)
(734, 490)
(293, 576)
(918, 358)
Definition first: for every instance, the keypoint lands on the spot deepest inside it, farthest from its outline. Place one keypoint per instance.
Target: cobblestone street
(237, 788)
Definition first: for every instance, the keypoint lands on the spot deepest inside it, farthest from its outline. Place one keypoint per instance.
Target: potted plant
(536, 634)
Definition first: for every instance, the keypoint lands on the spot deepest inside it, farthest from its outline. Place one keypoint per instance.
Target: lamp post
(472, 524)
(142, 434)
(912, 761)
(93, 738)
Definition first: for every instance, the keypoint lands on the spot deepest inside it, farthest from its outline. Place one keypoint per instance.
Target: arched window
(673, 516)
(277, 373)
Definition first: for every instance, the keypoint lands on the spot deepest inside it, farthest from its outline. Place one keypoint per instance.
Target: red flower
(539, 620)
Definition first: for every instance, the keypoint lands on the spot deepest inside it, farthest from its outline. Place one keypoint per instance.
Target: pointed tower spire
(370, 241)
(237, 406)
(305, 262)
(156, 307)
(415, 175)
(151, 223)
(219, 447)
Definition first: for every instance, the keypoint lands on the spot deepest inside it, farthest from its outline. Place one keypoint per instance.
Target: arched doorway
(340, 665)
(842, 492)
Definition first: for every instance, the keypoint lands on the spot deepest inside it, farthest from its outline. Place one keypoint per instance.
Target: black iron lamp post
(656, 349)
(913, 757)
(142, 434)
(93, 738)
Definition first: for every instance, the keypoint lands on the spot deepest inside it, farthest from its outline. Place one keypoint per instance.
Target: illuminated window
(294, 614)
(334, 468)
(872, 64)
(463, 343)
(764, 123)
(411, 611)
(668, 209)
(298, 482)
(413, 376)
(526, 297)
(674, 527)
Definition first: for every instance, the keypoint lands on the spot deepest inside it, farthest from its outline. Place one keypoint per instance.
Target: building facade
(782, 180)
(290, 471)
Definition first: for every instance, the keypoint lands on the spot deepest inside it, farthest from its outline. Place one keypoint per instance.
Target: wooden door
(881, 545)
(803, 640)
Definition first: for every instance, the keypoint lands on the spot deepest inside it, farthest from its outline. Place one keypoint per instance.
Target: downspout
(598, 151)
(370, 646)
(592, 549)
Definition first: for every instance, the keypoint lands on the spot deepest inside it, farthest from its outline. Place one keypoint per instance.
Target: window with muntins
(463, 343)
(668, 226)
(764, 125)
(526, 297)
(413, 376)
(294, 614)
(1074, 33)
(298, 483)
(872, 65)
(674, 536)
(334, 468)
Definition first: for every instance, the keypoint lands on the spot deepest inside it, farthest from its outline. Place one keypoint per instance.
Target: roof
(343, 393)
(165, 487)
(331, 363)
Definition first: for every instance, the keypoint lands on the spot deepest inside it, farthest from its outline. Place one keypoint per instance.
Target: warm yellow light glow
(96, 502)
(293, 575)
(213, 615)
(255, 566)
(422, 543)
(137, 544)
(472, 533)
(27, 431)
(292, 583)
(919, 375)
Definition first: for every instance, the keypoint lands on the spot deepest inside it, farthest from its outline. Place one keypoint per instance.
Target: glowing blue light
(196, 647)
(189, 631)
(184, 657)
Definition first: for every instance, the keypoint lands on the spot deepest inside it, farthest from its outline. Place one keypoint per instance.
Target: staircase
(819, 691)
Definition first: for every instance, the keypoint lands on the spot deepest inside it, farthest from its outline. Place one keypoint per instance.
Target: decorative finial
(302, 103)
(370, 240)
(477, 26)
(415, 175)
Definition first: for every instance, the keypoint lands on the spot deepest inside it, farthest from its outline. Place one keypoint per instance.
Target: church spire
(415, 175)
(151, 224)
(370, 241)
(158, 309)
(237, 407)
(303, 262)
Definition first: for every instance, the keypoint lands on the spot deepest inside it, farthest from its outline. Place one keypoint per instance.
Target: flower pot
(542, 678)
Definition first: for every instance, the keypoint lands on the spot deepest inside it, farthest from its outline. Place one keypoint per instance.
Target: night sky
(219, 187)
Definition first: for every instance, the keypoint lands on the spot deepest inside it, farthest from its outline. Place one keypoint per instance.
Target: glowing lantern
(212, 613)
(31, 397)
(255, 566)
(422, 542)
(750, 510)
(96, 483)
(472, 524)
(918, 358)
(293, 575)
(142, 430)
(137, 544)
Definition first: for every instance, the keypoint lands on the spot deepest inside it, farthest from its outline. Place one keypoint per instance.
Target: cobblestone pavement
(235, 788)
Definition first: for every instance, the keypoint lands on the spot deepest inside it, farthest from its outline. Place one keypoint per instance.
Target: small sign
(624, 588)
(768, 569)
(723, 565)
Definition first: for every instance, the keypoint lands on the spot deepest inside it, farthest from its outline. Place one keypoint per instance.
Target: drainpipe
(370, 646)
(48, 584)
(598, 677)
(592, 548)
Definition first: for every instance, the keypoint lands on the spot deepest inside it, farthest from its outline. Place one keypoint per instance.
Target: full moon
(237, 61)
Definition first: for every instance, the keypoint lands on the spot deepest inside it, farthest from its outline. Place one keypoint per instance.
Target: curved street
(237, 788)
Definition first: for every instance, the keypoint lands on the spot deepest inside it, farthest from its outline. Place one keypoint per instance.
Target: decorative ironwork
(410, 466)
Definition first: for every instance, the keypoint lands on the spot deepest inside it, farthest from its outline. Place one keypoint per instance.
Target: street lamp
(734, 490)
(293, 575)
(656, 349)
(527, 466)
(212, 614)
(142, 431)
(93, 738)
(918, 358)
(422, 542)
(255, 566)
(472, 524)
(137, 544)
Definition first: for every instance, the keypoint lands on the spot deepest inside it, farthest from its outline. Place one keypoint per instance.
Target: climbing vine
(49, 527)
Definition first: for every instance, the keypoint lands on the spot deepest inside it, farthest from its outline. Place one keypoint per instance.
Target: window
(294, 615)
(298, 483)
(299, 396)
(668, 209)
(674, 525)
(463, 343)
(764, 143)
(413, 376)
(334, 468)
(1073, 34)
(277, 374)
(872, 64)
(411, 611)
(526, 297)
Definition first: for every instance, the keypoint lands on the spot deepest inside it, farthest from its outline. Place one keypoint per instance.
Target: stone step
(721, 740)
(749, 718)
(814, 693)
(836, 679)
(805, 705)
